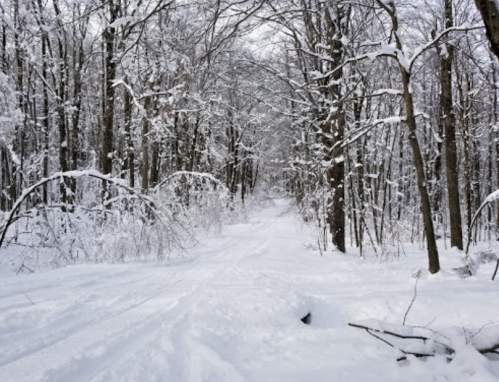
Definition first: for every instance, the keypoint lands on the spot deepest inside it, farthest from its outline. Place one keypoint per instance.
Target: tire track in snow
(127, 347)
(200, 361)
(112, 326)
(62, 328)
(77, 281)
(116, 330)
(176, 324)
(90, 347)
(76, 327)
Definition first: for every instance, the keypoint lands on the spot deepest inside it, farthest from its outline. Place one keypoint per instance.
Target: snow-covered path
(231, 314)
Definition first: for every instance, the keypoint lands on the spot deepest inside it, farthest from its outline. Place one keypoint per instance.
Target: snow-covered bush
(125, 226)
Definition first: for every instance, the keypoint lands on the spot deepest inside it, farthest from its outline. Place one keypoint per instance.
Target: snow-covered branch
(121, 183)
(423, 48)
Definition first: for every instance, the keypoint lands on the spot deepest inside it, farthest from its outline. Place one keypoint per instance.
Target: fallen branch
(406, 353)
(487, 344)
(405, 337)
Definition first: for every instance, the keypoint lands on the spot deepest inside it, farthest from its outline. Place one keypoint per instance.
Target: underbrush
(125, 226)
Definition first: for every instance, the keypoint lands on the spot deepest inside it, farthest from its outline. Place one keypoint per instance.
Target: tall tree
(109, 36)
(452, 170)
(410, 120)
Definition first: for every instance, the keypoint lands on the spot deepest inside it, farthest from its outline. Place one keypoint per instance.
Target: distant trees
(317, 32)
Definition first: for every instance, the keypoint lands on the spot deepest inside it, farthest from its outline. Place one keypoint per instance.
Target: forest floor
(231, 313)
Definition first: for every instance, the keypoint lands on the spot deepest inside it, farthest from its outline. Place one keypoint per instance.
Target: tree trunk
(45, 112)
(145, 145)
(434, 263)
(451, 166)
(154, 175)
(110, 71)
(334, 130)
(128, 136)
(489, 10)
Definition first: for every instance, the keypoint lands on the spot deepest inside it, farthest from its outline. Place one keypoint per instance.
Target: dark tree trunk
(128, 136)
(4, 46)
(489, 10)
(110, 70)
(494, 103)
(434, 263)
(336, 176)
(4, 200)
(61, 108)
(75, 132)
(451, 167)
(333, 129)
(145, 145)
(45, 112)
(154, 175)
(194, 144)
(244, 173)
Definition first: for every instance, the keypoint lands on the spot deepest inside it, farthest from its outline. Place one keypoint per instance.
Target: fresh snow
(231, 312)
(120, 21)
(493, 196)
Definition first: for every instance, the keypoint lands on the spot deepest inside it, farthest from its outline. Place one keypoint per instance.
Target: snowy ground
(232, 313)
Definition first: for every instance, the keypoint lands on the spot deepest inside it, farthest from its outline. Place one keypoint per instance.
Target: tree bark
(110, 71)
(451, 167)
(145, 145)
(489, 9)
(128, 136)
(334, 130)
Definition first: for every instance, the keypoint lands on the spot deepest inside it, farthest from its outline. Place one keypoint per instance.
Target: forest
(249, 190)
(128, 125)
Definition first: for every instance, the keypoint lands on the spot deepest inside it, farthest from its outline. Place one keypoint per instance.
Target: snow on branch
(388, 91)
(364, 130)
(423, 342)
(490, 198)
(422, 48)
(200, 175)
(359, 133)
(121, 183)
(390, 50)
